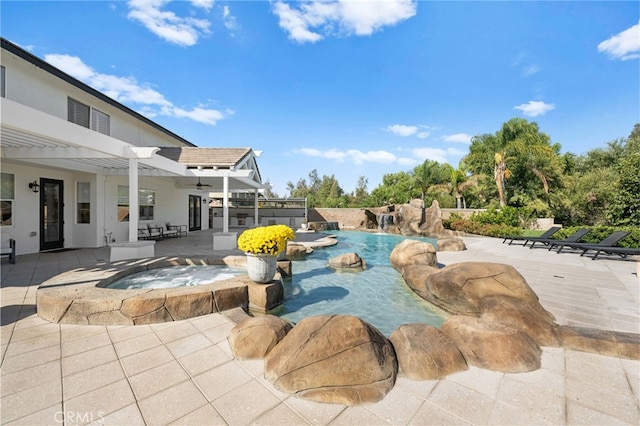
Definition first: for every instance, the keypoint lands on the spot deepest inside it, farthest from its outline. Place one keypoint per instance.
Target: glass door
(51, 214)
(195, 211)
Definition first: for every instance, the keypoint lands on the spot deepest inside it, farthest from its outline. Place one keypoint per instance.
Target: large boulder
(348, 262)
(451, 244)
(458, 288)
(425, 353)
(255, 337)
(530, 318)
(333, 358)
(296, 251)
(492, 345)
(413, 252)
(415, 276)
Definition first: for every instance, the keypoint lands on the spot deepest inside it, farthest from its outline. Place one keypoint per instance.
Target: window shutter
(100, 122)
(78, 113)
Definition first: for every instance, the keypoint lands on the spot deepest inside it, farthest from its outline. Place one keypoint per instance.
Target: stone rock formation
(415, 277)
(255, 337)
(348, 262)
(603, 342)
(333, 358)
(492, 345)
(425, 353)
(296, 251)
(451, 244)
(525, 316)
(413, 252)
(458, 288)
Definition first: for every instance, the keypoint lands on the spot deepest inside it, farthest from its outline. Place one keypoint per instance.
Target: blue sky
(350, 88)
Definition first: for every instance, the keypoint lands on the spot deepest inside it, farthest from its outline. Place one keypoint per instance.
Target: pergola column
(225, 203)
(134, 209)
(255, 207)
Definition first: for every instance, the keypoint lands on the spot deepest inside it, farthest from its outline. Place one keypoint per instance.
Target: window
(3, 76)
(100, 122)
(7, 196)
(146, 201)
(83, 202)
(78, 113)
(85, 116)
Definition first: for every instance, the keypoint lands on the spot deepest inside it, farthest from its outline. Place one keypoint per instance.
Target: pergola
(34, 138)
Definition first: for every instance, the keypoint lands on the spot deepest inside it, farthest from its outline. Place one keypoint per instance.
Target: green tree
(516, 150)
(625, 205)
(360, 195)
(395, 188)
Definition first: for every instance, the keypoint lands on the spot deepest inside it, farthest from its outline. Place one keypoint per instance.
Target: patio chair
(620, 251)
(573, 238)
(610, 241)
(546, 235)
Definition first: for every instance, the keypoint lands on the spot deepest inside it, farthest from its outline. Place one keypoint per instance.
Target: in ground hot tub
(82, 296)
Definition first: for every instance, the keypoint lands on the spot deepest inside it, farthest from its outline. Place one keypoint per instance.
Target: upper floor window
(88, 117)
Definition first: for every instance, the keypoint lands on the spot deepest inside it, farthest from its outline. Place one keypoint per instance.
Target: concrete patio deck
(184, 372)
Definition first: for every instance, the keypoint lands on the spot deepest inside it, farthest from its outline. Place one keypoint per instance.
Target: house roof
(224, 158)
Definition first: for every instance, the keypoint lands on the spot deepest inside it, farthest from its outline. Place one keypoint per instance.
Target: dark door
(195, 210)
(51, 214)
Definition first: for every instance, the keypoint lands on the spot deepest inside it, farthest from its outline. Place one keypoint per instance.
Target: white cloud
(408, 162)
(203, 4)
(402, 130)
(311, 21)
(458, 138)
(228, 19)
(535, 108)
(423, 135)
(360, 157)
(356, 156)
(624, 45)
(183, 31)
(201, 115)
(331, 154)
(426, 153)
(128, 91)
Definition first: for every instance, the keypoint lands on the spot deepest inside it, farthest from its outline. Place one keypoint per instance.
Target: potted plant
(262, 246)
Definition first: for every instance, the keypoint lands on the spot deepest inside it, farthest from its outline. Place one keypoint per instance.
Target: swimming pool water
(177, 276)
(377, 295)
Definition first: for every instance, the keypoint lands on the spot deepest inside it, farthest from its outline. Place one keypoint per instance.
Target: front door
(195, 210)
(51, 214)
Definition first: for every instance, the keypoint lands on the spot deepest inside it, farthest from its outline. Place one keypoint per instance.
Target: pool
(177, 276)
(377, 295)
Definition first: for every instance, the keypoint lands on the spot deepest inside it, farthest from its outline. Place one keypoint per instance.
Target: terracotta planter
(261, 267)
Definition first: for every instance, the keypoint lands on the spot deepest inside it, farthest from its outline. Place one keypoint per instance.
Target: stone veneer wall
(347, 218)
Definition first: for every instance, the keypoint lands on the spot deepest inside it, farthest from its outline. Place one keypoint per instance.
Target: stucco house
(79, 169)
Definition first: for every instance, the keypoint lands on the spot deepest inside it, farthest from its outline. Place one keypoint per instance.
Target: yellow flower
(266, 239)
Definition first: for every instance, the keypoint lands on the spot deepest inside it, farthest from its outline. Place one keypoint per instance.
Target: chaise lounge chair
(573, 238)
(547, 234)
(620, 251)
(610, 241)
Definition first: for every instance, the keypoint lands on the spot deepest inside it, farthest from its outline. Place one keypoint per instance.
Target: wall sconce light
(34, 186)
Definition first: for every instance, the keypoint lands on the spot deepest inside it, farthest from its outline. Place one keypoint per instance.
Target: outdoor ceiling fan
(199, 185)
